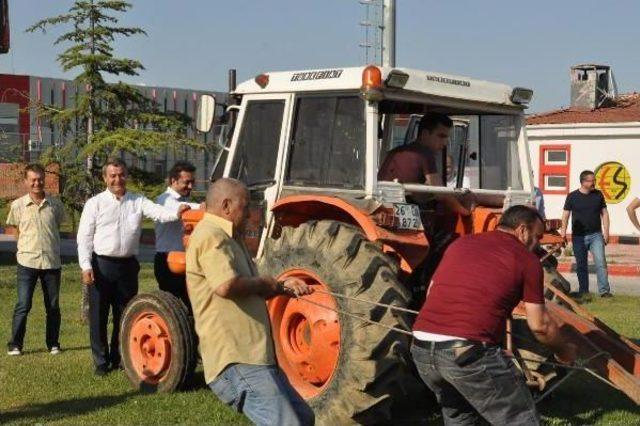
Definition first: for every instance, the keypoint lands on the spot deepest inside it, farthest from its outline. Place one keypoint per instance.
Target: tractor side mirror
(206, 112)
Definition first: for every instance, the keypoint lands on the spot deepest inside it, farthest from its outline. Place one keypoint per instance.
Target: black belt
(114, 259)
(448, 344)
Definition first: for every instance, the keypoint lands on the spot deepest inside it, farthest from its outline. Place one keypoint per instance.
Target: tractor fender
(410, 248)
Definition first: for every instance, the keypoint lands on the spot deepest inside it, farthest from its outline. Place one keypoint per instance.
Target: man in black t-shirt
(589, 232)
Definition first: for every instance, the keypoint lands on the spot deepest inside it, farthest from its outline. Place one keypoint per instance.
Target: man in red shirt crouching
(479, 281)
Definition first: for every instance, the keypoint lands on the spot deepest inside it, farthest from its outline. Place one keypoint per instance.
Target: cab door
(257, 157)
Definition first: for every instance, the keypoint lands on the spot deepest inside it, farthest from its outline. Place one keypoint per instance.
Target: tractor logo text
(445, 80)
(316, 75)
(614, 181)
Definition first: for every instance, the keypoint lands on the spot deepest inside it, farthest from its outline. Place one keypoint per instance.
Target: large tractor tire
(157, 342)
(348, 370)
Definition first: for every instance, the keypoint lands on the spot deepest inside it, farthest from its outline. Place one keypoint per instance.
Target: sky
(192, 43)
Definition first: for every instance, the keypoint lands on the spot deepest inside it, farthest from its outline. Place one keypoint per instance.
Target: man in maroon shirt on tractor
(416, 162)
(479, 281)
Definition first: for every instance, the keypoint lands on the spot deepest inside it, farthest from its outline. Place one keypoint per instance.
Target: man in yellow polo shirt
(36, 217)
(228, 300)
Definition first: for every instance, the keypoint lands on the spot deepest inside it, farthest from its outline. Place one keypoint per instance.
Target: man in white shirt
(108, 242)
(169, 235)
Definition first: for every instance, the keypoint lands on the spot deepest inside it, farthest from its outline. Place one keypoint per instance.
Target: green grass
(38, 388)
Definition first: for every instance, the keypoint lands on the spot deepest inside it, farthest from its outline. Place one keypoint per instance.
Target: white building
(601, 134)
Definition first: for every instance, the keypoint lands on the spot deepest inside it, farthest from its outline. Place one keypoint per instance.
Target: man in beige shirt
(228, 300)
(36, 217)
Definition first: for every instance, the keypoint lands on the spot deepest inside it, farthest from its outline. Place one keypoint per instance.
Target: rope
(359, 317)
(571, 373)
(384, 305)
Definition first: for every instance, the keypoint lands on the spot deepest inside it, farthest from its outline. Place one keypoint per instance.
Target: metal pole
(389, 33)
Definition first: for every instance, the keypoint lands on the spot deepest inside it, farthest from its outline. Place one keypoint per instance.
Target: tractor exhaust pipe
(232, 80)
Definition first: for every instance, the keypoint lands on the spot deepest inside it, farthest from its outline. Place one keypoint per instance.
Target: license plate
(407, 216)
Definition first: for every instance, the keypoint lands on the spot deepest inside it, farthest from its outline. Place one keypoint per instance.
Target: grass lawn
(40, 388)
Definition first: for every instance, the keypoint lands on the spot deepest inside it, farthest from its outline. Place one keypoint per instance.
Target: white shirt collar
(112, 196)
(173, 193)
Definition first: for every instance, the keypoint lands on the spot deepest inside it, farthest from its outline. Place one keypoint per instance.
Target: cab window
(328, 142)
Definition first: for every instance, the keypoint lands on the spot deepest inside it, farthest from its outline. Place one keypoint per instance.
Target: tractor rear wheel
(157, 342)
(347, 370)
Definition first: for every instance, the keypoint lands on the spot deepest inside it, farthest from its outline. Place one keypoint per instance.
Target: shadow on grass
(57, 410)
(197, 382)
(64, 349)
(584, 400)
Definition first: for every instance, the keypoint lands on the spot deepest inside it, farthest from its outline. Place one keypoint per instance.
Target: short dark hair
(431, 120)
(35, 168)
(115, 162)
(515, 216)
(584, 174)
(179, 167)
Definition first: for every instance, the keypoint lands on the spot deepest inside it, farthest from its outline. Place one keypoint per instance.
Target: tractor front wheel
(157, 342)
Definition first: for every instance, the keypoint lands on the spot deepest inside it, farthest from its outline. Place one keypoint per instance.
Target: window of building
(555, 182)
(556, 156)
(555, 169)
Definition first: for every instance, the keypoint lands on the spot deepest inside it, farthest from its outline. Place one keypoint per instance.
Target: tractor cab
(324, 133)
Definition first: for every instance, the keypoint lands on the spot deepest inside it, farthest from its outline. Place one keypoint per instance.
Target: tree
(107, 118)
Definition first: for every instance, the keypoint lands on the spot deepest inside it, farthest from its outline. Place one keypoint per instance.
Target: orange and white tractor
(308, 145)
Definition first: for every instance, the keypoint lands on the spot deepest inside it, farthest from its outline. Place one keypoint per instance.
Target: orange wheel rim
(306, 336)
(150, 347)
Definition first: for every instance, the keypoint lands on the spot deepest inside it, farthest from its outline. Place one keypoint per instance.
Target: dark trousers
(116, 283)
(27, 280)
(490, 386)
(175, 284)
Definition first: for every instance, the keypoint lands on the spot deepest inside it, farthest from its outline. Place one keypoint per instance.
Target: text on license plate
(407, 216)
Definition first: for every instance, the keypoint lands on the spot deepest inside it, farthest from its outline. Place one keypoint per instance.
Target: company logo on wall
(613, 180)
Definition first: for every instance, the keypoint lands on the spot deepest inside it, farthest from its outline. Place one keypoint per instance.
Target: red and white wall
(559, 152)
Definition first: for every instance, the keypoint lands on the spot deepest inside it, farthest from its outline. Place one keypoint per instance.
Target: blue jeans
(263, 394)
(27, 280)
(594, 243)
(490, 386)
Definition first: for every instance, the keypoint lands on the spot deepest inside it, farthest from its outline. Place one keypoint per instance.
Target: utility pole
(389, 33)
(372, 26)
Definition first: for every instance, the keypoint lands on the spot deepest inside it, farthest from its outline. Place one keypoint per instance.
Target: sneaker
(55, 350)
(606, 295)
(14, 351)
(101, 370)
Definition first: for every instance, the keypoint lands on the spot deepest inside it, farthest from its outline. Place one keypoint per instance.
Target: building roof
(624, 108)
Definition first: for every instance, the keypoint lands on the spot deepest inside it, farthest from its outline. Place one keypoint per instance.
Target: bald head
(229, 199)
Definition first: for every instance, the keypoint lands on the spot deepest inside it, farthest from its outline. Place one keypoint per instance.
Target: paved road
(68, 248)
(619, 285)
